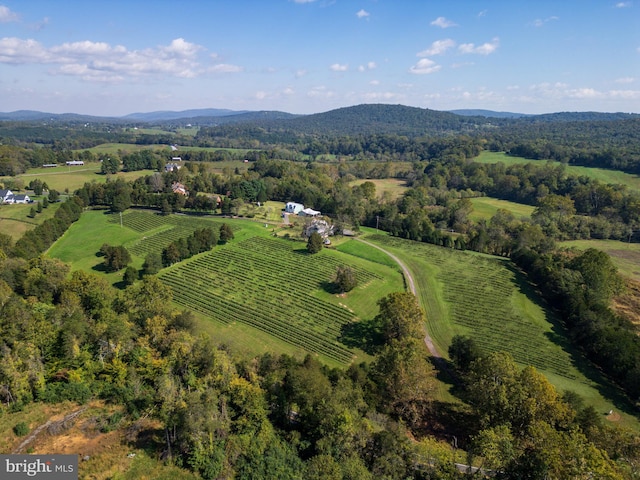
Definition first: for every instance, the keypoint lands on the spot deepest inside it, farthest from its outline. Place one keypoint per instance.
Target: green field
(258, 292)
(600, 174)
(487, 299)
(486, 207)
(625, 256)
(14, 218)
(394, 188)
(62, 178)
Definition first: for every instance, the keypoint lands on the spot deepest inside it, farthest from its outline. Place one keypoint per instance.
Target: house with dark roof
(6, 196)
(21, 199)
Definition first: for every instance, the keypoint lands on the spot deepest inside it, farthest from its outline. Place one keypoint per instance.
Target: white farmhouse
(294, 208)
(6, 196)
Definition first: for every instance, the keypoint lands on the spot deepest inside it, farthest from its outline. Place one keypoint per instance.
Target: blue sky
(306, 56)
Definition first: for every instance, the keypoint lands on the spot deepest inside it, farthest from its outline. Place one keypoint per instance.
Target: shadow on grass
(100, 267)
(330, 287)
(363, 335)
(560, 336)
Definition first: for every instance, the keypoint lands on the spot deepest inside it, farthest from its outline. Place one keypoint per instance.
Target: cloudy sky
(306, 56)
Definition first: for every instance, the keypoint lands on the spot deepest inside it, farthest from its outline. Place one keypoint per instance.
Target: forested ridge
(71, 336)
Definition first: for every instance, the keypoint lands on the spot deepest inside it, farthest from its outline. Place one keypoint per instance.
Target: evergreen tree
(314, 244)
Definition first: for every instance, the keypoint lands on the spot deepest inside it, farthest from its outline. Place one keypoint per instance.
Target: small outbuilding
(294, 208)
(309, 212)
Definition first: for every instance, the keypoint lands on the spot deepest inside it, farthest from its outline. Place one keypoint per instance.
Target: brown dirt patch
(613, 417)
(627, 305)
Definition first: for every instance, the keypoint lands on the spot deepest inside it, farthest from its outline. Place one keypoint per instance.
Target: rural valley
(378, 291)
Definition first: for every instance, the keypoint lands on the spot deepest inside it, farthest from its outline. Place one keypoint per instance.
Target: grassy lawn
(62, 178)
(392, 187)
(625, 256)
(600, 174)
(486, 207)
(489, 300)
(14, 219)
(113, 148)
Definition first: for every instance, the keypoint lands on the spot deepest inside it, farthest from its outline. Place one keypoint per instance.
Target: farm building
(179, 188)
(6, 196)
(73, 163)
(292, 207)
(21, 199)
(170, 167)
(309, 212)
(321, 227)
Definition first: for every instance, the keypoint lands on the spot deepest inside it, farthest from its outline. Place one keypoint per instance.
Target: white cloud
(362, 14)
(484, 49)
(424, 66)
(374, 82)
(337, 67)
(443, 23)
(625, 94)
(300, 73)
(483, 13)
(583, 93)
(623, 4)
(320, 92)
(303, 1)
(625, 80)
(225, 68)
(368, 66)
(100, 60)
(437, 48)
(6, 15)
(40, 25)
(382, 96)
(17, 51)
(538, 22)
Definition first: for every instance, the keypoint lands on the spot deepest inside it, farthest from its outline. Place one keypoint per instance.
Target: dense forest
(71, 336)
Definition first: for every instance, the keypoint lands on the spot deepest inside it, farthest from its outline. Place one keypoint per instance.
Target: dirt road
(412, 288)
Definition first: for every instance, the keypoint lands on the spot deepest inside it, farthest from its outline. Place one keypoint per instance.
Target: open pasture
(600, 174)
(278, 289)
(625, 256)
(64, 178)
(486, 207)
(15, 221)
(394, 188)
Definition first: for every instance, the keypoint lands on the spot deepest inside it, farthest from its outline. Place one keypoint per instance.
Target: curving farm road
(412, 288)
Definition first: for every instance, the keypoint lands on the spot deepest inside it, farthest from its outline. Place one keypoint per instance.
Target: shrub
(21, 429)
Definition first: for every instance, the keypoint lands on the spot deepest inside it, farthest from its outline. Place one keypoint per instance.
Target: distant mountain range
(378, 117)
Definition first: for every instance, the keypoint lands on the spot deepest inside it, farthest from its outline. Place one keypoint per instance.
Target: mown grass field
(625, 256)
(258, 292)
(486, 207)
(487, 299)
(14, 219)
(62, 177)
(394, 188)
(600, 174)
